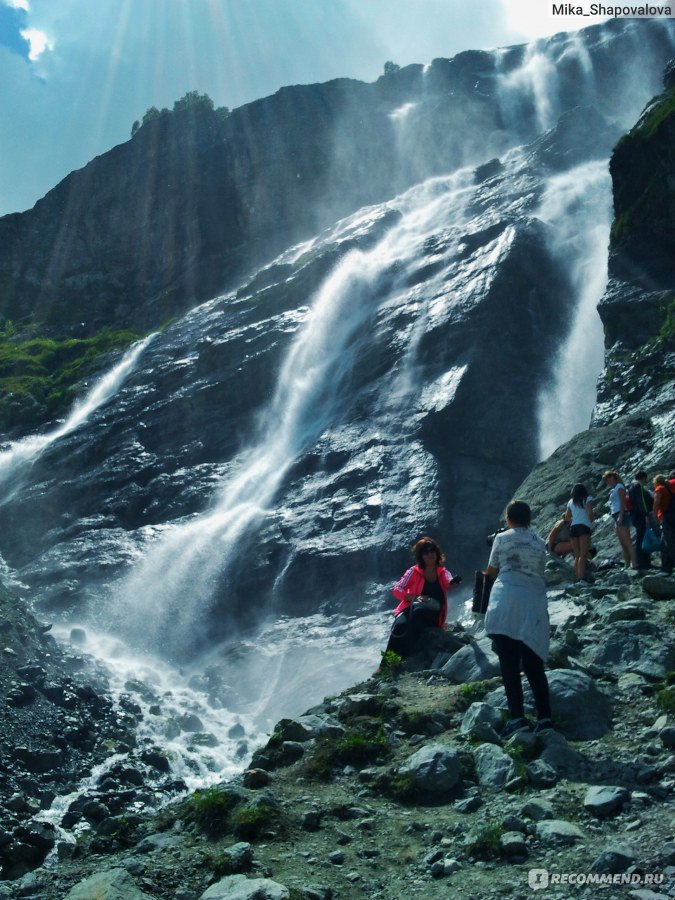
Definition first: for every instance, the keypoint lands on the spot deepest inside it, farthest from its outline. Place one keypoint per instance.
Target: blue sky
(75, 74)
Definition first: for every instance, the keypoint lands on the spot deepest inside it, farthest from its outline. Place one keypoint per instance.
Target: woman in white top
(621, 516)
(517, 617)
(580, 515)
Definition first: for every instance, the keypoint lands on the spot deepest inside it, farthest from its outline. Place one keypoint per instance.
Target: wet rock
(156, 758)
(190, 722)
(38, 760)
(606, 801)
(78, 636)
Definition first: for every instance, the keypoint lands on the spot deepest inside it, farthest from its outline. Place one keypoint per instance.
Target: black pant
(667, 546)
(408, 628)
(640, 524)
(513, 655)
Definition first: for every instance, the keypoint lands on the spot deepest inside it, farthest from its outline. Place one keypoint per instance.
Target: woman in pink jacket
(429, 579)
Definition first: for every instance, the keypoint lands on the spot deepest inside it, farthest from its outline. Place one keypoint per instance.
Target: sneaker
(513, 726)
(543, 725)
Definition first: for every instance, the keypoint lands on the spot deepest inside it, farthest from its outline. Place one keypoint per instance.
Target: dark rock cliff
(195, 200)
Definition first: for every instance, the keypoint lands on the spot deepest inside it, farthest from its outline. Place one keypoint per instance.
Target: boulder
(474, 662)
(605, 801)
(659, 587)
(434, 769)
(614, 859)
(481, 721)
(239, 887)
(557, 831)
(493, 767)
(113, 884)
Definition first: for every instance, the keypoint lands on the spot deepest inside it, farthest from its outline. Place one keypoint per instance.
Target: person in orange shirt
(664, 510)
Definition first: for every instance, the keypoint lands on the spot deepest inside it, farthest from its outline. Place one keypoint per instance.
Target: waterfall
(26, 450)
(163, 600)
(578, 204)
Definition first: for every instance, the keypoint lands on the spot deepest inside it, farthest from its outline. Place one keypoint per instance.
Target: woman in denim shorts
(621, 516)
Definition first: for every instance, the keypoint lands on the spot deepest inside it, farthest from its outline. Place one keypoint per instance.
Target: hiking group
(517, 614)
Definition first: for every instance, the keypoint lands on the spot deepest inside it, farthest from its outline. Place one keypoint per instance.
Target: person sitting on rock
(517, 617)
(423, 594)
(559, 541)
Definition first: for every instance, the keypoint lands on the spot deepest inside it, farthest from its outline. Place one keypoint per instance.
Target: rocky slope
(400, 786)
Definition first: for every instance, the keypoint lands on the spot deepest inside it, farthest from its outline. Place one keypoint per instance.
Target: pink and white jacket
(412, 582)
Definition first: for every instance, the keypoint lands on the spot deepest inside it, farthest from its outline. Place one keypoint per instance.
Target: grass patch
(359, 748)
(38, 375)
(484, 842)
(211, 809)
(248, 822)
(471, 693)
(391, 666)
(665, 695)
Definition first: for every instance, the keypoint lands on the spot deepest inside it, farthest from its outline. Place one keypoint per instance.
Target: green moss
(653, 117)
(667, 332)
(665, 696)
(38, 375)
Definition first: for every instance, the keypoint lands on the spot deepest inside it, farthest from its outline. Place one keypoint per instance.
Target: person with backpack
(423, 594)
(664, 510)
(640, 503)
(580, 516)
(619, 512)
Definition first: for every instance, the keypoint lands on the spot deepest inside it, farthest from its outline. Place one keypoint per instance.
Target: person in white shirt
(621, 516)
(517, 616)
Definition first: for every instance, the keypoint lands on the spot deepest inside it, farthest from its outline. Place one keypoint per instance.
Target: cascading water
(403, 353)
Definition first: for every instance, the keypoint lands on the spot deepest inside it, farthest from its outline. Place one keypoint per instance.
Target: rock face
(196, 199)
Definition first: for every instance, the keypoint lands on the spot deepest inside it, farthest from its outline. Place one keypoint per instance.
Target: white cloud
(18, 4)
(38, 41)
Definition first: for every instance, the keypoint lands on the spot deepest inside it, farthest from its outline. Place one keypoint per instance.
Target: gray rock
(558, 754)
(660, 587)
(306, 727)
(113, 884)
(239, 887)
(580, 710)
(557, 831)
(481, 721)
(237, 858)
(615, 859)
(667, 736)
(538, 810)
(494, 768)
(256, 778)
(159, 841)
(605, 801)
(474, 662)
(541, 774)
(513, 843)
(434, 768)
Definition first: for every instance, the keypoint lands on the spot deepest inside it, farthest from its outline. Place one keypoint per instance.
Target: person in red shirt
(664, 510)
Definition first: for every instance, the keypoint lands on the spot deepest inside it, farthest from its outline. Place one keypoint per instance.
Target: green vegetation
(37, 375)
(471, 693)
(362, 746)
(191, 102)
(665, 696)
(484, 843)
(211, 809)
(653, 117)
(391, 666)
(667, 332)
(248, 822)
